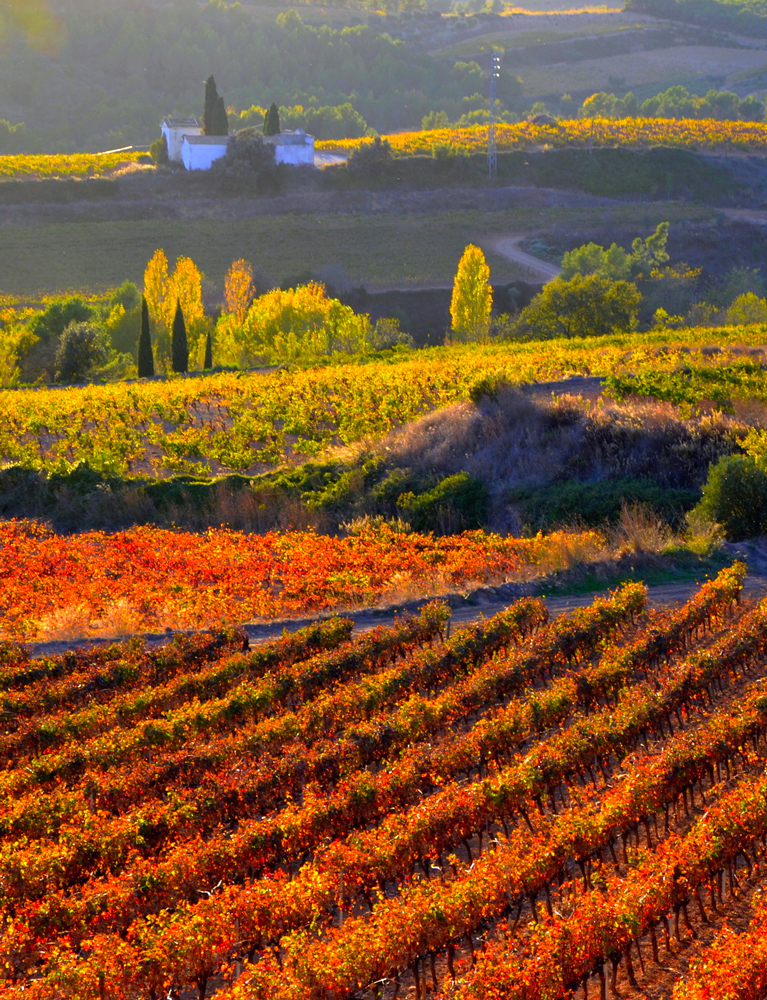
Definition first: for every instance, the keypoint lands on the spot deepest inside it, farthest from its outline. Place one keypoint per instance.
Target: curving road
(509, 248)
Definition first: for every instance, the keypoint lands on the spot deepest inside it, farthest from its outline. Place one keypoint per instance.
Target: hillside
(425, 820)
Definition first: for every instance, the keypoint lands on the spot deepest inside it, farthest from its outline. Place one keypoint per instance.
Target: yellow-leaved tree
(163, 291)
(239, 289)
(472, 300)
(285, 323)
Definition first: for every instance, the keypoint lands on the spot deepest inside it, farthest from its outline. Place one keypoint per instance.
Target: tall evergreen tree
(179, 345)
(221, 118)
(272, 124)
(211, 105)
(145, 356)
(208, 363)
(215, 119)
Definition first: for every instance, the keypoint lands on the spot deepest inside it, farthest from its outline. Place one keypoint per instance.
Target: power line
(492, 152)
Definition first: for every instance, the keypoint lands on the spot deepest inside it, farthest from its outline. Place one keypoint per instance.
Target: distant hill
(747, 17)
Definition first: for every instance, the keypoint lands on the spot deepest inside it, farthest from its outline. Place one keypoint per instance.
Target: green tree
(747, 308)
(472, 300)
(647, 255)
(179, 344)
(272, 124)
(614, 263)
(208, 362)
(82, 349)
(145, 356)
(584, 306)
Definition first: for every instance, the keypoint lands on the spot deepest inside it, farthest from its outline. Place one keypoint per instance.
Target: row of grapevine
(562, 643)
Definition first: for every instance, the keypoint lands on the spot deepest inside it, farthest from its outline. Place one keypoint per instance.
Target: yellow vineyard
(73, 166)
(687, 133)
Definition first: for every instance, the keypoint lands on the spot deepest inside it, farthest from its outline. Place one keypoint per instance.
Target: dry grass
(520, 440)
(67, 623)
(120, 618)
(640, 532)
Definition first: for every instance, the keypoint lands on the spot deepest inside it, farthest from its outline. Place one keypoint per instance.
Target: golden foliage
(239, 289)
(472, 300)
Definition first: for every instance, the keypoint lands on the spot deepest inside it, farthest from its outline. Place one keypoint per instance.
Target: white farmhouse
(295, 148)
(188, 145)
(174, 130)
(199, 152)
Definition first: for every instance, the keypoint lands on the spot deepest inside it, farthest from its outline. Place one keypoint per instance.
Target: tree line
(117, 71)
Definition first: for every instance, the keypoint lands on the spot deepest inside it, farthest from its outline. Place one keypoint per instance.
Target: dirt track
(471, 609)
(509, 248)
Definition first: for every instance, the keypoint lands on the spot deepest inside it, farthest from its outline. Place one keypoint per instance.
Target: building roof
(297, 138)
(181, 122)
(206, 140)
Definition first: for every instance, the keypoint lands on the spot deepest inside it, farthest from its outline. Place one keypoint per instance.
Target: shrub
(735, 497)
(371, 159)
(596, 503)
(458, 503)
(159, 150)
(248, 163)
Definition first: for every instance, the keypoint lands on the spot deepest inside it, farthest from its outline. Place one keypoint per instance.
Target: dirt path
(465, 611)
(752, 215)
(509, 248)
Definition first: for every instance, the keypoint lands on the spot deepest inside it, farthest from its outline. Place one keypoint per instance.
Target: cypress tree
(145, 357)
(211, 106)
(272, 124)
(179, 345)
(208, 363)
(221, 118)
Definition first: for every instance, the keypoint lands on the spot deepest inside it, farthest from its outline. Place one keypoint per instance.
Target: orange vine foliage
(158, 578)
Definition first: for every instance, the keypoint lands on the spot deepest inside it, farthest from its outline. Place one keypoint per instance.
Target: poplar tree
(208, 363)
(145, 356)
(179, 345)
(272, 124)
(472, 300)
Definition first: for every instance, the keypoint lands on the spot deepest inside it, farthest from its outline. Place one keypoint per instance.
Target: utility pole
(492, 154)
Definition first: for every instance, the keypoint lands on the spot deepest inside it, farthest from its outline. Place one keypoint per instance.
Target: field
(390, 250)
(148, 580)
(250, 422)
(697, 134)
(513, 812)
(659, 68)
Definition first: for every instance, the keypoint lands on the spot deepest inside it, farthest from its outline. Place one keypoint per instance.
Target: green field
(379, 251)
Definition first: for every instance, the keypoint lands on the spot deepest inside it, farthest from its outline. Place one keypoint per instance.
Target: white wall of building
(297, 156)
(174, 135)
(201, 156)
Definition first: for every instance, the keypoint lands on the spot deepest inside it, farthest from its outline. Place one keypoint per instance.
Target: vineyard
(523, 809)
(240, 422)
(73, 166)
(638, 133)
(148, 579)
